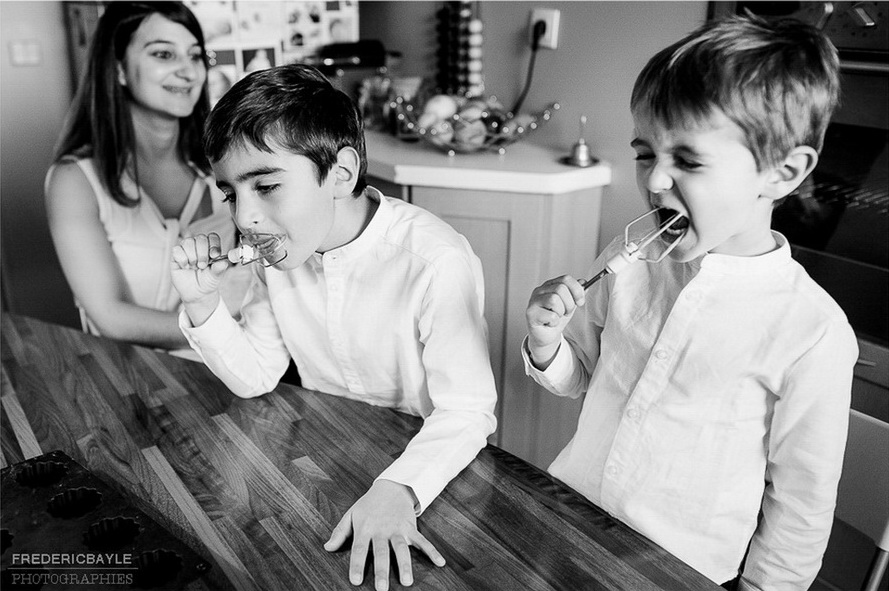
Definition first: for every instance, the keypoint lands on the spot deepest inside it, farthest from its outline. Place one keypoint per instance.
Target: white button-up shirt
(713, 389)
(394, 319)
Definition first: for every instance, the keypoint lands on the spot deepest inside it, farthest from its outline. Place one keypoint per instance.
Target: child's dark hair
(777, 80)
(293, 107)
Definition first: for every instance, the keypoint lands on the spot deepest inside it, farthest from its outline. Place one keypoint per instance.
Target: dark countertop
(255, 486)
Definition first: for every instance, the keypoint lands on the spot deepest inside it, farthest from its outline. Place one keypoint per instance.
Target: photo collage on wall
(249, 35)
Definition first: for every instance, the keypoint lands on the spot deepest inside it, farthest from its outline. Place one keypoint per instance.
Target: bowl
(478, 125)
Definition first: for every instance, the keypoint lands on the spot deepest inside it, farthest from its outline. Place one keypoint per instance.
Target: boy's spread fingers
(421, 542)
(403, 558)
(339, 534)
(357, 561)
(381, 564)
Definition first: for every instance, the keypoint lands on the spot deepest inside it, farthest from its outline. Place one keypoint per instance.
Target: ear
(345, 172)
(121, 75)
(788, 174)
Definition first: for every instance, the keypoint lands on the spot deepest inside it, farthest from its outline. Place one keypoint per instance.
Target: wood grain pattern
(255, 486)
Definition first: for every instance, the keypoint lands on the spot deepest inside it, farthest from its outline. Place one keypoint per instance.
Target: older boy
(717, 382)
(376, 300)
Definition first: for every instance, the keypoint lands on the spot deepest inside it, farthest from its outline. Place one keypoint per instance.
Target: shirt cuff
(418, 508)
(217, 328)
(745, 585)
(423, 495)
(560, 369)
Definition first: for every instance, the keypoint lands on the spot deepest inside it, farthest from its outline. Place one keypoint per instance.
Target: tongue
(680, 224)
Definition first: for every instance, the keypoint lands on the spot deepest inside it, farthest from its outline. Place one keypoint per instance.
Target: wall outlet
(550, 16)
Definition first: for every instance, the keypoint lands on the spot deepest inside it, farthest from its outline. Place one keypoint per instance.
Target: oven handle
(864, 67)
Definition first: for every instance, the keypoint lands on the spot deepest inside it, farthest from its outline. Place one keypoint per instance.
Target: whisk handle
(589, 282)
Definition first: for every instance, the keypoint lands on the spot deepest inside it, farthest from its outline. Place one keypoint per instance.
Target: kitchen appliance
(642, 243)
(256, 246)
(837, 222)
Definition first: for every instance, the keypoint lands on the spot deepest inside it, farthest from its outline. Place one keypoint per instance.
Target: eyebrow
(247, 175)
(687, 150)
(680, 149)
(168, 42)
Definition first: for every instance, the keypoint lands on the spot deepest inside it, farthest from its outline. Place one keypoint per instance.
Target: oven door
(838, 226)
(837, 222)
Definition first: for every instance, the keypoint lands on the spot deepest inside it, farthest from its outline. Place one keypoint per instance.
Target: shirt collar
(738, 265)
(377, 227)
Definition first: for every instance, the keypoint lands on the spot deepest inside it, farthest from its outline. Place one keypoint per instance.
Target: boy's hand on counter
(384, 516)
(550, 308)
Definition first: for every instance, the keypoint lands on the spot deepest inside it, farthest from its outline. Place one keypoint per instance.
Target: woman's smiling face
(163, 68)
(707, 173)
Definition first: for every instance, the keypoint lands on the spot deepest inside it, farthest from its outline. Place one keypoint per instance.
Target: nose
(188, 68)
(658, 179)
(247, 214)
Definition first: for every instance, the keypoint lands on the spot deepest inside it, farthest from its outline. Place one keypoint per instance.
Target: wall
(33, 103)
(602, 47)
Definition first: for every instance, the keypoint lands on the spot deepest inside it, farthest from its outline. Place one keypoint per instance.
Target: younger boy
(717, 382)
(376, 300)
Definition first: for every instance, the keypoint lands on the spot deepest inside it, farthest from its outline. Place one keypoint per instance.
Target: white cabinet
(528, 219)
(522, 240)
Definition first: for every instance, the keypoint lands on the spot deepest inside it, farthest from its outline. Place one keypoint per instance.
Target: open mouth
(268, 248)
(678, 227)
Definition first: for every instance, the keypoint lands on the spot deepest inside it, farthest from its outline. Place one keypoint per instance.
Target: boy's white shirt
(394, 319)
(713, 389)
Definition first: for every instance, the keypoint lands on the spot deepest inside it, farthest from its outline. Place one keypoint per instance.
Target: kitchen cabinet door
(522, 240)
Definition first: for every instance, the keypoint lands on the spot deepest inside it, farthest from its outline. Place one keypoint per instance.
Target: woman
(130, 178)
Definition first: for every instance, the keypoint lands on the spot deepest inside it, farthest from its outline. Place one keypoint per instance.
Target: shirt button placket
(611, 486)
(335, 301)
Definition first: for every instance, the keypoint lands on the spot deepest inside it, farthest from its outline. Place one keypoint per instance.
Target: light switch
(25, 52)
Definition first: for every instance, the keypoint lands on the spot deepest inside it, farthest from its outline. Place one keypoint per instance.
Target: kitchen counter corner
(525, 168)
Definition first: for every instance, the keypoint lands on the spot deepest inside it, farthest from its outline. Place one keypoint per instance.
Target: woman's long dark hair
(99, 123)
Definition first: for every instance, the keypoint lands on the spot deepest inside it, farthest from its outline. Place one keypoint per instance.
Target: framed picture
(260, 58)
(223, 73)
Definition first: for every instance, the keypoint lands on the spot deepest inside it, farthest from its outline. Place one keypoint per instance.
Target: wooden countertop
(255, 486)
(525, 168)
